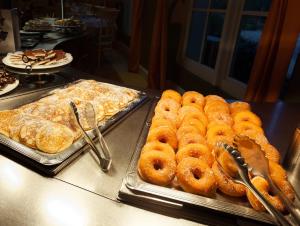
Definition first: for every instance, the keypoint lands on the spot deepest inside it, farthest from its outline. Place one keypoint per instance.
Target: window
(221, 41)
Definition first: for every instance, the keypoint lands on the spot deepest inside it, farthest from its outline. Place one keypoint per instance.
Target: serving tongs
(243, 178)
(259, 166)
(102, 154)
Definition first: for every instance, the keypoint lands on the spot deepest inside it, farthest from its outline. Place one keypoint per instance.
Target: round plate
(9, 87)
(68, 59)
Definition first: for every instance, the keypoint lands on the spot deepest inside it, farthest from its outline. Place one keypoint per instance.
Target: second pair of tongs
(103, 153)
(259, 166)
(245, 180)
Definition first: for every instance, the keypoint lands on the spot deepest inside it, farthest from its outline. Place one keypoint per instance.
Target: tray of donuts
(174, 157)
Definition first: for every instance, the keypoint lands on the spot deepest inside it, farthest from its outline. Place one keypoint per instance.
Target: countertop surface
(81, 194)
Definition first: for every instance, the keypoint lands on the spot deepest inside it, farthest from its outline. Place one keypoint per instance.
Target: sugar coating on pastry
(53, 138)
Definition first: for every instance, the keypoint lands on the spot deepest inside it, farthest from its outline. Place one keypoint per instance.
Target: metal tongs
(244, 179)
(259, 166)
(103, 153)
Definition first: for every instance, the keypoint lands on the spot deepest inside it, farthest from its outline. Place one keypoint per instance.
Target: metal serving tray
(54, 159)
(135, 190)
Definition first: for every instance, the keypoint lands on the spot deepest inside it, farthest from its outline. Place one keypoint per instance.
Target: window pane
(195, 35)
(218, 4)
(212, 39)
(246, 45)
(201, 4)
(257, 5)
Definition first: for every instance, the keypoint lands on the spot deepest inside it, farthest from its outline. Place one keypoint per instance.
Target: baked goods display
(37, 59)
(180, 149)
(5, 79)
(49, 125)
(68, 22)
(37, 25)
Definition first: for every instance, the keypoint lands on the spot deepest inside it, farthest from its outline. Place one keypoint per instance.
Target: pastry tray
(135, 190)
(55, 159)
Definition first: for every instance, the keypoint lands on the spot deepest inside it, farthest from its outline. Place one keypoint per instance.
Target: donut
(191, 138)
(216, 106)
(170, 116)
(219, 117)
(271, 153)
(163, 135)
(247, 116)
(159, 121)
(186, 129)
(200, 116)
(263, 187)
(160, 147)
(279, 177)
(219, 133)
(240, 127)
(239, 106)
(194, 122)
(171, 94)
(194, 98)
(195, 176)
(167, 105)
(157, 167)
(211, 98)
(226, 184)
(199, 151)
(183, 111)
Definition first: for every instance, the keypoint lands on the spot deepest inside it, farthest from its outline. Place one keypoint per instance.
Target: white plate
(68, 59)
(9, 87)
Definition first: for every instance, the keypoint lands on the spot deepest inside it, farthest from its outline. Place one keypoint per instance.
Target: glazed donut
(171, 94)
(194, 98)
(211, 98)
(263, 187)
(191, 138)
(167, 105)
(158, 146)
(195, 176)
(219, 117)
(185, 130)
(193, 115)
(216, 106)
(279, 177)
(170, 116)
(199, 151)
(219, 133)
(226, 184)
(157, 167)
(247, 116)
(239, 106)
(159, 122)
(183, 111)
(194, 122)
(271, 153)
(240, 127)
(163, 135)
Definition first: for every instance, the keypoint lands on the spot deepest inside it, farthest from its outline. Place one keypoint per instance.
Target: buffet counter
(82, 194)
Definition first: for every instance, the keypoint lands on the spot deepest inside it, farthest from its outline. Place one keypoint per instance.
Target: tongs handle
(104, 163)
(103, 144)
(243, 172)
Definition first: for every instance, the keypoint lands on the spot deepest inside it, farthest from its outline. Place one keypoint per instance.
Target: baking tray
(135, 190)
(58, 158)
